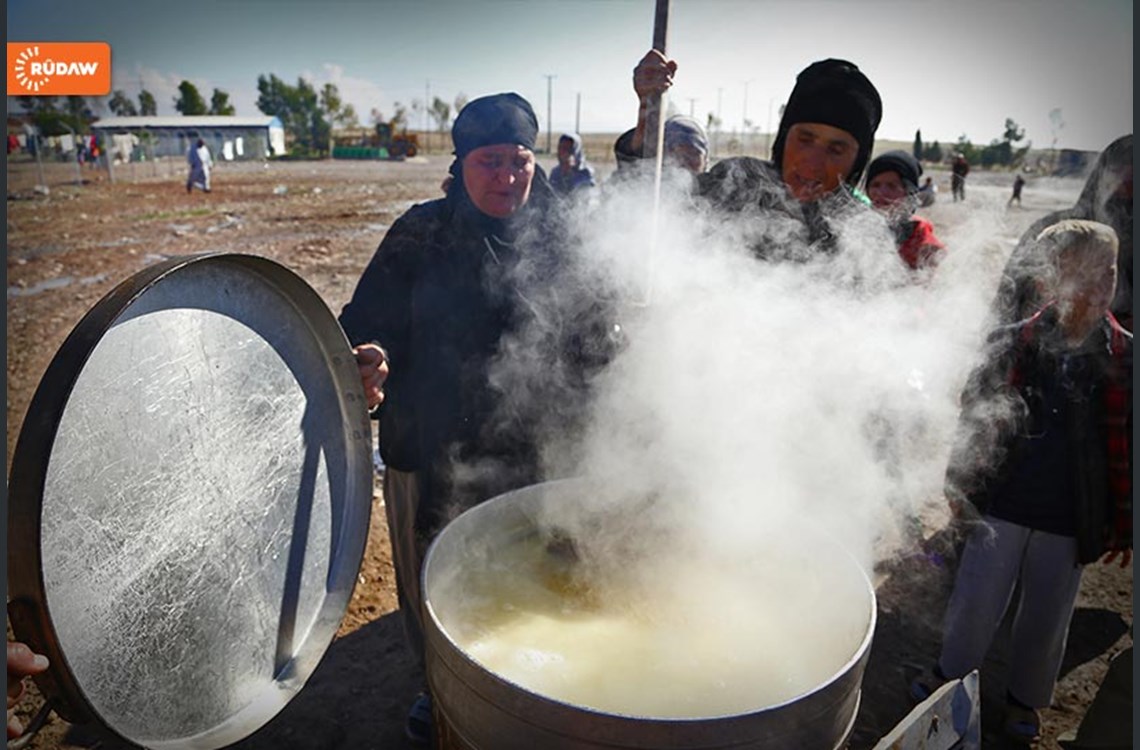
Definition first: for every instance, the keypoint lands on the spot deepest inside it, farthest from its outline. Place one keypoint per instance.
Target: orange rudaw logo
(59, 68)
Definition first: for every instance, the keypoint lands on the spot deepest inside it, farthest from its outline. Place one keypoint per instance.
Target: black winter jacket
(447, 288)
(1002, 417)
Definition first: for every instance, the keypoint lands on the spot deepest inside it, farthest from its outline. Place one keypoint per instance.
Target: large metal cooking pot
(479, 709)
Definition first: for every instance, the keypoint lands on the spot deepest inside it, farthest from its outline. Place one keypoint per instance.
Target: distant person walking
(958, 171)
(1018, 184)
(198, 157)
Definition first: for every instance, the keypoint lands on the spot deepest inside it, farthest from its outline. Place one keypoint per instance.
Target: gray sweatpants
(997, 556)
(401, 500)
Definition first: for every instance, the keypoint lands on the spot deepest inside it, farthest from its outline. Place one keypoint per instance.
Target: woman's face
(498, 178)
(566, 154)
(817, 158)
(687, 157)
(886, 190)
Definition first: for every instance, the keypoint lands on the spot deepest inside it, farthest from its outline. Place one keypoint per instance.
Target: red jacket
(918, 247)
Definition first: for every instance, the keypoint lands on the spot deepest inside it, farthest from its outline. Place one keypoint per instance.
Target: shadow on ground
(911, 603)
(357, 698)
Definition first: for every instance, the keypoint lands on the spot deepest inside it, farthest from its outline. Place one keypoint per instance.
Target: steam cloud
(750, 393)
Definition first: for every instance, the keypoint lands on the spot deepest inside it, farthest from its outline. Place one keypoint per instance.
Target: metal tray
(189, 502)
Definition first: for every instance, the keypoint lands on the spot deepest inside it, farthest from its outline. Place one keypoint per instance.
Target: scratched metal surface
(190, 517)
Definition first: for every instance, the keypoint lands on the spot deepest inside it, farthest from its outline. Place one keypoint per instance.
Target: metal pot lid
(189, 502)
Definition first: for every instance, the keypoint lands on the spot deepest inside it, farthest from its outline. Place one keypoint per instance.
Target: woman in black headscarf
(428, 319)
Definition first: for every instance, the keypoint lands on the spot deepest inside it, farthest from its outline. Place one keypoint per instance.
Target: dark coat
(787, 228)
(1002, 416)
(443, 292)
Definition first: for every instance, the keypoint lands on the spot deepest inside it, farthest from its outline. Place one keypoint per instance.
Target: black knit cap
(493, 120)
(836, 93)
(901, 163)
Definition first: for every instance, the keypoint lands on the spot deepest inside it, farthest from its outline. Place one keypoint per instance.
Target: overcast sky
(947, 67)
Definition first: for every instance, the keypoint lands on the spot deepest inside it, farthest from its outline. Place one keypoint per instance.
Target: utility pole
(549, 89)
(578, 114)
(768, 133)
(427, 103)
(744, 116)
(719, 122)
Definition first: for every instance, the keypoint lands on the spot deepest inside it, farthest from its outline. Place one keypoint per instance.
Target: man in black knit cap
(822, 146)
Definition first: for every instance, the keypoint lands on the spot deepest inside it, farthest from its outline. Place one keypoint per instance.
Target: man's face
(817, 158)
(498, 178)
(886, 190)
(566, 153)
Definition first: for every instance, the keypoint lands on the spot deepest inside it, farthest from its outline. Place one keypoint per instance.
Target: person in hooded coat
(686, 146)
(1106, 198)
(427, 320)
(572, 172)
(892, 186)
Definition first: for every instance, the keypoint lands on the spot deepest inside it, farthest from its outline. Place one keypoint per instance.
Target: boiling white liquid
(681, 642)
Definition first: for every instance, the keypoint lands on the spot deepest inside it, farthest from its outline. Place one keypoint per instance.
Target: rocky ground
(71, 245)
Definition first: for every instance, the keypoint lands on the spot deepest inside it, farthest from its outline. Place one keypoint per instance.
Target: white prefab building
(228, 137)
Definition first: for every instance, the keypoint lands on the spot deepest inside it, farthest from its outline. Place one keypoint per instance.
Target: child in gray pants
(1043, 466)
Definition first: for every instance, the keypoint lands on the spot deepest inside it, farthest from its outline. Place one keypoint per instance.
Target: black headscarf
(901, 163)
(492, 120)
(836, 93)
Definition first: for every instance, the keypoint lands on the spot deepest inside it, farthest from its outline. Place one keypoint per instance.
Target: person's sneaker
(923, 686)
(417, 727)
(1022, 724)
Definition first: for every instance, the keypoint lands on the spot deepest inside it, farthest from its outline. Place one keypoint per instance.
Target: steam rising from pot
(747, 391)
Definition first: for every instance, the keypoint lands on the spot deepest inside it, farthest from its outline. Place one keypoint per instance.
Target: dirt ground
(67, 248)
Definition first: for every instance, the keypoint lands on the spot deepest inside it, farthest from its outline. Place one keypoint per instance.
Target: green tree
(298, 107)
(400, 117)
(220, 103)
(46, 112)
(189, 101)
(998, 152)
(932, 153)
(335, 110)
(79, 115)
(1013, 133)
(147, 104)
(460, 102)
(918, 152)
(1001, 152)
(121, 105)
(441, 113)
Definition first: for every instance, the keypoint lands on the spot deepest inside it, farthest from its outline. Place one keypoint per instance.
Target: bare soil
(323, 220)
